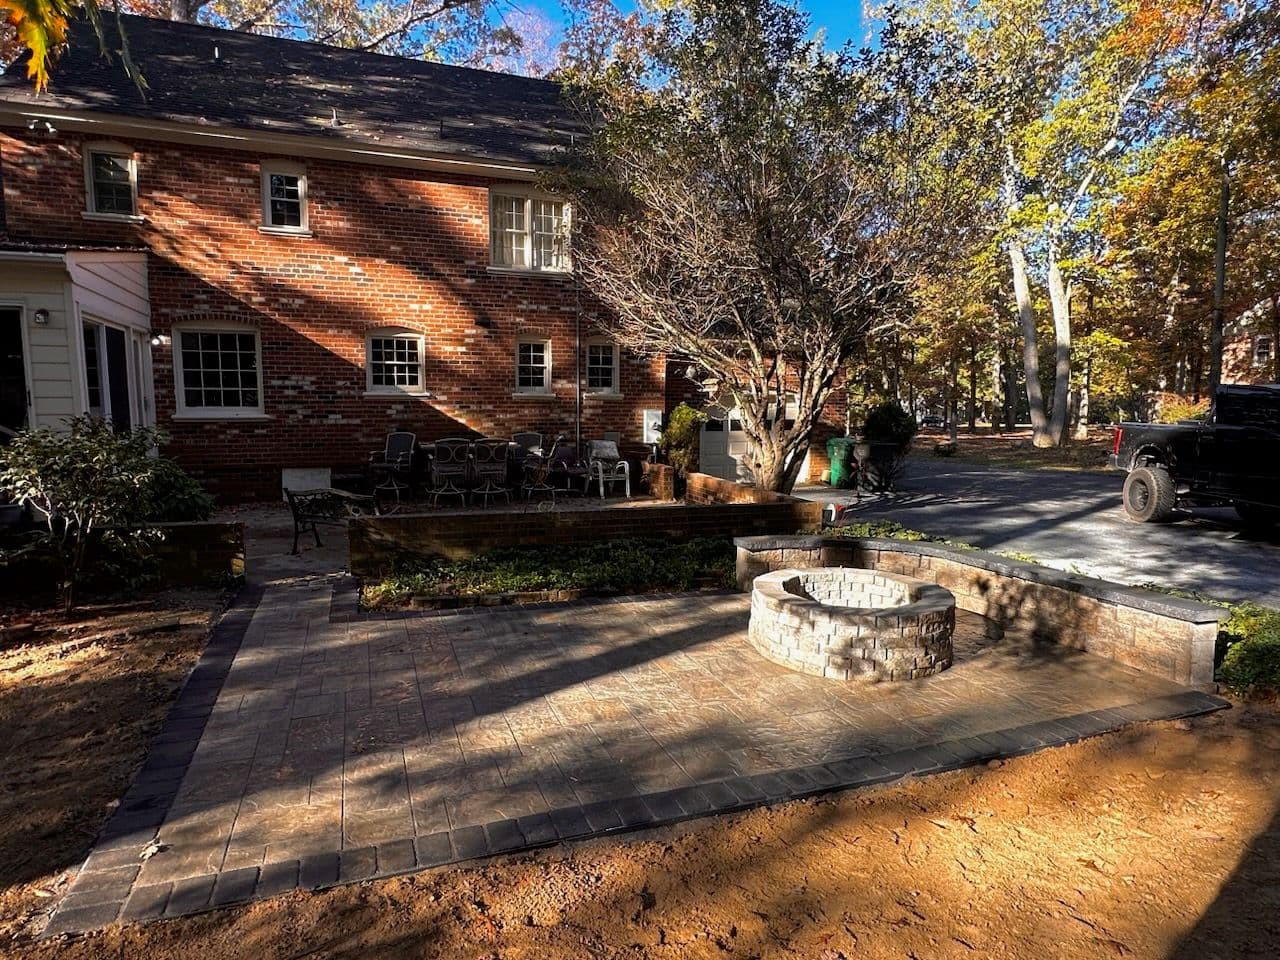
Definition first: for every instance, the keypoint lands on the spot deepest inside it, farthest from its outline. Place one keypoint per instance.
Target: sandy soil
(1161, 841)
(79, 700)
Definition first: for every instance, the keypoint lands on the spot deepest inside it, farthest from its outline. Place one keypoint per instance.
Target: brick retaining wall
(1149, 631)
(376, 541)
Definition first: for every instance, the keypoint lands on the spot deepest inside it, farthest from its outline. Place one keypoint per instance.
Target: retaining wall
(1166, 636)
(377, 541)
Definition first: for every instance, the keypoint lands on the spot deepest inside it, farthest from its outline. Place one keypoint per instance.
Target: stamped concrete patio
(316, 746)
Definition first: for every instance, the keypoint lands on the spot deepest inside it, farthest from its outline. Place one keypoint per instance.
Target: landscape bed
(535, 574)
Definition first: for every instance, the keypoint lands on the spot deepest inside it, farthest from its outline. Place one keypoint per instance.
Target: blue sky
(842, 19)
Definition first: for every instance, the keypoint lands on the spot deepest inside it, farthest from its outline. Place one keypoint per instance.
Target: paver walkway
(327, 747)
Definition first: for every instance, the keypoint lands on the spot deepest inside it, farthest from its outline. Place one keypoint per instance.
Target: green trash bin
(843, 466)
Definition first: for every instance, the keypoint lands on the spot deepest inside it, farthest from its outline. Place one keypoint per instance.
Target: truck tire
(1258, 517)
(1149, 494)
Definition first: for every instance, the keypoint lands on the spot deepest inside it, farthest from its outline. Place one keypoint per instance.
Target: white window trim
(543, 391)
(528, 195)
(181, 410)
(616, 389)
(288, 168)
(1271, 349)
(399, 333)
(114, 149)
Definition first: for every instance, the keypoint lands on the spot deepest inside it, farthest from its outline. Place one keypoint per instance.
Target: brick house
(286, 250)
(1250, 344)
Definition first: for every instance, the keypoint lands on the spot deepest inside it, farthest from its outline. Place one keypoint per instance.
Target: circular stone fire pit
(852, 624)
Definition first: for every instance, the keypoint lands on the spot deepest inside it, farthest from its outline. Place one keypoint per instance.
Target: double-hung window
(111, 181)
(394, 361)
(529, 232)
(218, 372)
(284, 197)
(602, 366)
(1263, 351)
(533, 366)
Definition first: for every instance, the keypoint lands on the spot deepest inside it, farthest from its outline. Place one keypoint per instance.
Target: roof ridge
(353, 52)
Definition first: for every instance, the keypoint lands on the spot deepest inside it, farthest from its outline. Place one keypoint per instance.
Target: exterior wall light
(41, 317)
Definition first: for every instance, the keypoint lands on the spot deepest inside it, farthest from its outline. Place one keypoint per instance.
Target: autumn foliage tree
(759, 206)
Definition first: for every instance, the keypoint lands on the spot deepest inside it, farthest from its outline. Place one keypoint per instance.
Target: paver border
(105, 882)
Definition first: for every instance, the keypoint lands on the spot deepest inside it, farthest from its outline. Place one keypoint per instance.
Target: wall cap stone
(1137, 598)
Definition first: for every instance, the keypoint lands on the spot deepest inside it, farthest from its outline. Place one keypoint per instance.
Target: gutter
(261, 141)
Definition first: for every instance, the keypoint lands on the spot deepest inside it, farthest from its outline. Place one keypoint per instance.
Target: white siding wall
(35, 285)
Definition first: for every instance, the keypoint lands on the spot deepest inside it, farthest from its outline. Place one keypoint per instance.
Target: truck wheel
(1149, 494)
(1257, 517)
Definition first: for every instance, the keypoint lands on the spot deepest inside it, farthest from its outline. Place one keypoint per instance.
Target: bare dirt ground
(1161, 841)
(80, 699)
(1014, 449)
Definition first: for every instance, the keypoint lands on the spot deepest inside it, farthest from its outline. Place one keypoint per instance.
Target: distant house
(286, 250)
(1249, 345)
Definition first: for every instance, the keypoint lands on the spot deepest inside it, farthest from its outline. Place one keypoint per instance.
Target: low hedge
(609, 567)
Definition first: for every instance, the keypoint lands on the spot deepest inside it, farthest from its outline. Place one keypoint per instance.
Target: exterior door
(113, 375)
(15, 396)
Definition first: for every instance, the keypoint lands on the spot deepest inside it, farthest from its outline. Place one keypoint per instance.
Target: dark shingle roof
(267, 84)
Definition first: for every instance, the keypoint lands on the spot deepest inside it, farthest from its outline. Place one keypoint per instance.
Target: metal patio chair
(489, 463)
(528, 443)
(450, 469)
(605, 466)
(565, 464)
(392, 466)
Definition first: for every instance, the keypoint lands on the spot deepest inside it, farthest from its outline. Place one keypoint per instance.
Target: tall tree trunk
(1219, 278)
(997, 387)
(1060, 302)
(953, 398)
(1030, 354)
(973, 387)
(1082, 423)
(1010, 391)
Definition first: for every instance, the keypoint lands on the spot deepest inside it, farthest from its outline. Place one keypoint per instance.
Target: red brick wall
(390, 247)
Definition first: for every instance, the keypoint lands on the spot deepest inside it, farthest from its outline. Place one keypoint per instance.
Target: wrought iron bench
(313, 508)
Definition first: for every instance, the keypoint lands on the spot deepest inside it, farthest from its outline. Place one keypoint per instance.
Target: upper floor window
(284, 197)
(1263, 351)
(529, 232)
(111, 180)
(533, 365)
(602, 366)
(394, 362)
(218, 372)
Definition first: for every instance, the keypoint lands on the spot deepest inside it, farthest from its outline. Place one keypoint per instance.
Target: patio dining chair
(450, 469)
(392, 466)
(605, 466)
(566, 466)
(489, 460)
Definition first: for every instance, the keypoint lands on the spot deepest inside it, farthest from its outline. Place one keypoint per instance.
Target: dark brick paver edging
(106, 879)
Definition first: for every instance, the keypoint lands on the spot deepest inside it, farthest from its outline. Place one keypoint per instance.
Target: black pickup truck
(1232, 459)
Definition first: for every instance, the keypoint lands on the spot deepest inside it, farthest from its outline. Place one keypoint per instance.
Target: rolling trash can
(844, 469)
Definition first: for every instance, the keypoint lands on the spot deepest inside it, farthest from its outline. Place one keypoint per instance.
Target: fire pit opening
(851, 624)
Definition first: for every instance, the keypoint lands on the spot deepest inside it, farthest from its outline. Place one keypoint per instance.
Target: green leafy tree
(79, 481)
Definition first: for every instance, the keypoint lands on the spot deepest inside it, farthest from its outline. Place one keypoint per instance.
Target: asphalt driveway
(1073, 521)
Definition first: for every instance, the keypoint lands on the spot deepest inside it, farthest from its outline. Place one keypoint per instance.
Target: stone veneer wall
(850, 624)
(1149, 631)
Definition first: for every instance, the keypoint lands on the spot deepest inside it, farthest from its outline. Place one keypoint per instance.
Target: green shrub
(889, 423)
(90, 484)
(175, 496)
(1252, 660)
(617, 566)
(681, 438)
